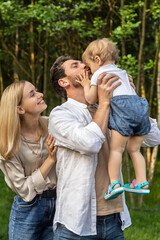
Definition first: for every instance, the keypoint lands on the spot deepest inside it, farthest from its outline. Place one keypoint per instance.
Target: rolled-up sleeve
(38, 181)
(27, 187)
(153, 137)
(74, 134)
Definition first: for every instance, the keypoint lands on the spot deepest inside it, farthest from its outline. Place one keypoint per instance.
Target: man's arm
(153, 137)
(105, 93)
(70, 130)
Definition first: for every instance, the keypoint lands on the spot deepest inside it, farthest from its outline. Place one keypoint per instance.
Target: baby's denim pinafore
(129, 115)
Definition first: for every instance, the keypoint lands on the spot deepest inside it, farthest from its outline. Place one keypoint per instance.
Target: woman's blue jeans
(32, 220)
(108, 228)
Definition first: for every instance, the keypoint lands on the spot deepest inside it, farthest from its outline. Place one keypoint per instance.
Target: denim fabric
(32, 220)
(108, 228)
(129, 115)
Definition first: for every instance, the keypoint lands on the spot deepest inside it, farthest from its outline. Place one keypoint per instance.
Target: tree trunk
(1, 79)
(15, 59)
(142, 77)
(129, 176)
(15, 66)
(123, 41)
(148, 156)
(32, 55)
(152, 165)
(45, 69)
(155, 149)
(140, 55)
(153, 80)
(111, 7)
(158, 76)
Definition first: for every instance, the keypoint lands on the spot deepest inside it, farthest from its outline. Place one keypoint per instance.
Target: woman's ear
(63, 82)
(20, 110)
(98, 60)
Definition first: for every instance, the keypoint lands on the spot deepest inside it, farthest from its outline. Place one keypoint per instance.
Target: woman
(27, 162)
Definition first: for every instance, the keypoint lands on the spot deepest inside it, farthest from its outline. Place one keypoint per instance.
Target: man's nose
(83, 65)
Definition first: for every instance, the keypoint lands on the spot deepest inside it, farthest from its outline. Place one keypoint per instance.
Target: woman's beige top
(22, 173)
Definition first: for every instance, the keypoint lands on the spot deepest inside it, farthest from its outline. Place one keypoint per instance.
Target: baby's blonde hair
(104, 48)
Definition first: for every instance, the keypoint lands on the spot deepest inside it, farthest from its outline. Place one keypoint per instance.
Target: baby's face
(94, 66)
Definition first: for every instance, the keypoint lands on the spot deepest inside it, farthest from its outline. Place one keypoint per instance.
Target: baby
(129, 121)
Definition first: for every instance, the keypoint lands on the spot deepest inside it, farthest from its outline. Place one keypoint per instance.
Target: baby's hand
(83, 79)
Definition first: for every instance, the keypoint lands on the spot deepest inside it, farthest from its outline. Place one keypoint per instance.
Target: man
(81, 210)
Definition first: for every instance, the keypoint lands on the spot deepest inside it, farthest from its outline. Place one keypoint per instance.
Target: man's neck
(77, 95)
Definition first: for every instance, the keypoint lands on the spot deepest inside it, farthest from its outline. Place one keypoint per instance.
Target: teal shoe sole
(114, 194)
(127, 188)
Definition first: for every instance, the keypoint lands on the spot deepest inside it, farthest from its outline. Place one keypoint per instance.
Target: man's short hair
(57, 72)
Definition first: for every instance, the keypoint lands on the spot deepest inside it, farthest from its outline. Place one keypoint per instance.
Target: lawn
(6, 198)
(145, 219)
(145, 226)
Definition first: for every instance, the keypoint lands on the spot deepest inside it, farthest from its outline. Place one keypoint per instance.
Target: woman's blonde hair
(104, 48)
(9, 118)
(10, 122)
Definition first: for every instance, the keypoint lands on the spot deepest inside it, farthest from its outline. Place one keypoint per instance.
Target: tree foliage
(66, 27)
(34, 33)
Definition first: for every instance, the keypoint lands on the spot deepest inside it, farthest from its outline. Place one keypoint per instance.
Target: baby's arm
(90, 91)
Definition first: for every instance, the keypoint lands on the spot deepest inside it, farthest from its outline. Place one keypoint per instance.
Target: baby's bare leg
(117, 146)
(139, 164)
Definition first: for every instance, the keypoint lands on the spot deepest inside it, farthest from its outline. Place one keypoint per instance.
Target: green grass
(145, 226)
(145, 218)
(6, 199)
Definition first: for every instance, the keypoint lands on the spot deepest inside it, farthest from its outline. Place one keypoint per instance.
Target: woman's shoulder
(44, 119)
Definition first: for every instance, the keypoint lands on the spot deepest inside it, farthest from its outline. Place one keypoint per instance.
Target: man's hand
(131, 81)
(105, 93)
(106, 87)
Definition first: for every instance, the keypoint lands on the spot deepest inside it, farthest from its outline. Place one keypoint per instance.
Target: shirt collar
(109, 66)
(76, 103)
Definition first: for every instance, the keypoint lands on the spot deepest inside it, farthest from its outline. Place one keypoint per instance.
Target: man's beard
(73, 81)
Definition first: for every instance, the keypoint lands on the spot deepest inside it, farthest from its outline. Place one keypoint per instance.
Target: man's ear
(63, 82)
(98, 60)
(20, 110)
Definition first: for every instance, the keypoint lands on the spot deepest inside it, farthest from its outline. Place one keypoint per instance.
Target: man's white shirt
(79, 142)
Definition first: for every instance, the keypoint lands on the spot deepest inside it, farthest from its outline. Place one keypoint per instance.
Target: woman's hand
(50, 147)
(51, 159)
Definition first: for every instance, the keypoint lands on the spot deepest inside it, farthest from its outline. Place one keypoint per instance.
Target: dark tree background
(34, 33)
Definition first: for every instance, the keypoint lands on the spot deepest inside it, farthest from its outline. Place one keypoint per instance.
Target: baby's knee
(131, 149)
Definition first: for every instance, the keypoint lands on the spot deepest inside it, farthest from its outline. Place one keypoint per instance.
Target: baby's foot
(138, 182)
(116, 186)
(114, 190)
(136, 187)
